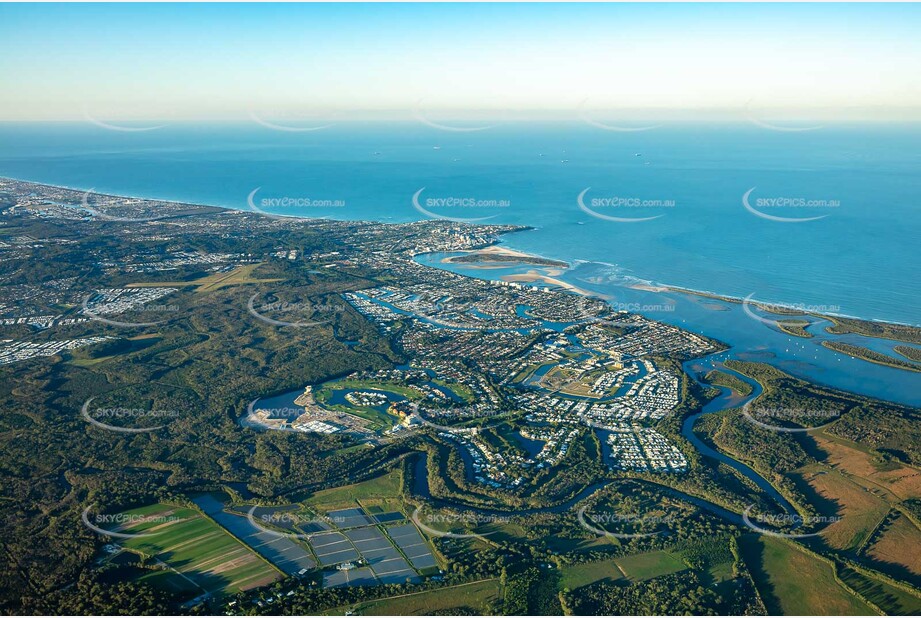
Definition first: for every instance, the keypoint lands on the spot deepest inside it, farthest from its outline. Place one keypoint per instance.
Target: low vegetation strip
(797, 328)
(891, 599)
(870, 355)
(909, 352)
(473, 597)
(721, 378)
(901, 332)
(640, 567)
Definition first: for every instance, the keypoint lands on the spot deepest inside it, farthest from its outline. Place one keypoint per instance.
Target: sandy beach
(533, 276)
(496, 256)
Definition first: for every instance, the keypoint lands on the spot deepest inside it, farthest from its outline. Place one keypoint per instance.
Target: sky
(175, 61)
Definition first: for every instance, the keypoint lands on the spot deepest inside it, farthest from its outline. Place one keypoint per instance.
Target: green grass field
(477, 596)
(390, 387)
(894, 601)
(385, 488)
(200, 553)
(641, 567)
(565, 544)
(792, 582)
(578, 575)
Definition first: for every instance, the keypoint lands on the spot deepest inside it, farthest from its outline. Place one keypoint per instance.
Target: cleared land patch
(792, 582)
(640, 567)
(198, 549)
(898, 550)
(903, 481)
(860, 511)
(210, 283)
(578, 575)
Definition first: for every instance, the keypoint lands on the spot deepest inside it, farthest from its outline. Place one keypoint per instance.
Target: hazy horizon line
(887, 114)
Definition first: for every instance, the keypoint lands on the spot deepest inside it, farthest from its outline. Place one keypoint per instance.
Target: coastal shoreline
(649, 286)
(500, 248)
(533, 276)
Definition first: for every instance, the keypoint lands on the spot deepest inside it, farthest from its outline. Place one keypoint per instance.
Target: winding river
(420, 489)
(727, 399)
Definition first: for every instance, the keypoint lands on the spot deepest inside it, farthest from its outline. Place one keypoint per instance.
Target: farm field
(380, 490)
(639, 567)
(896, 550)
(860, 511)
(198, 550)
(892, 600)
(578, 575)
(901, 481)
(792, 582)
(284, 553)
(475, 596)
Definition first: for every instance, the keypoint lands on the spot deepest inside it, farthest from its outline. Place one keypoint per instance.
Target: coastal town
(518, 391)
(440, 309)
(549, 362)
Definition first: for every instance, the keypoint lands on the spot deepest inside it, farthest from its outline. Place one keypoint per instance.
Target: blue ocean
(826, 219)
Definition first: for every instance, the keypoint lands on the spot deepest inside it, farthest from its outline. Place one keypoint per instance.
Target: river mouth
(751, 333)
(564, 346)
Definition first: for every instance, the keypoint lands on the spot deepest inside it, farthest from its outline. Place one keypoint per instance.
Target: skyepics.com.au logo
(759, 206)
(111, 524)
(600, 207)
(455, 203)
(791, 520)
(275, 207)
(464, 413)
(103, 417)
(420, 113)
(284, 412)
(749, 304)
(767, 417)
(464, 519)
(644, 307)
(592, 117)
(292, 121)
(767, 119)
(272, 312)
(133, 301)
(288, 523)
(121, 127)
(597, 522)
(601, 310)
